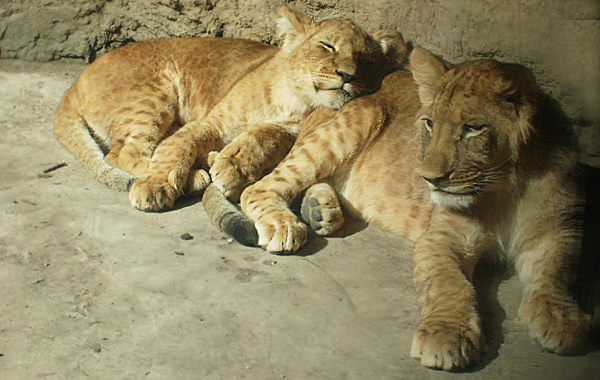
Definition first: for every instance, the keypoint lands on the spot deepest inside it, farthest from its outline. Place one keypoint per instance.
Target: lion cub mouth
(457, 192)
(452, 200)
(340, 90)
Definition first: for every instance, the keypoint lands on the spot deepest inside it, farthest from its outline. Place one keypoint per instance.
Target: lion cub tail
(228, 218)
(74, 134)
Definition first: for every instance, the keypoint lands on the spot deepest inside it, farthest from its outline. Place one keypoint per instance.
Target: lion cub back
(137, 95)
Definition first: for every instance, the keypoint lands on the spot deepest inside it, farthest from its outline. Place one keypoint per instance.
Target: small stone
(186, 236)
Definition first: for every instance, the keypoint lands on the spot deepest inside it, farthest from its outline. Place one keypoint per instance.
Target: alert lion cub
(153, 110)
(468, 162)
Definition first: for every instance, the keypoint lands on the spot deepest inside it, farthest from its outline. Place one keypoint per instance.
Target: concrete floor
(92, 288)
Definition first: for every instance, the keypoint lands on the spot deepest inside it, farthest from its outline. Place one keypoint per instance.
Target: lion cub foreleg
(326, 141)
(249, 157)
(551, 313)
(171, 164)
(449, 336)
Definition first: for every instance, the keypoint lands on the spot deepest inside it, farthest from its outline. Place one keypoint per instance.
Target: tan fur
(499, 170)
(155, 109)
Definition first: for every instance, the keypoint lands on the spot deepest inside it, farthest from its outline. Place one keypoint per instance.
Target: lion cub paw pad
(322, 213)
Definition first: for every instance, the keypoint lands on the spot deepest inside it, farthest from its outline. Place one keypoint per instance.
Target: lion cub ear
(427, 71)
(393, 46)
(293, 26)
(515, 84)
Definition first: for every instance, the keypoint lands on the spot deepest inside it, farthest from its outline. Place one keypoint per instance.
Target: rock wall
(557, 39)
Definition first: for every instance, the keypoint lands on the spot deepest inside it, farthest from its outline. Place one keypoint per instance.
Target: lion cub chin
(470, 161)
(153, 110)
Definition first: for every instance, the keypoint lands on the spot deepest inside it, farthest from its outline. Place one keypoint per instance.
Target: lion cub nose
(346, 78)
(435, 177)
(434, 180)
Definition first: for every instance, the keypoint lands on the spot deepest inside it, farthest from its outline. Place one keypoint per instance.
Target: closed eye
(470, 130)
(473, 127)
(327, 46)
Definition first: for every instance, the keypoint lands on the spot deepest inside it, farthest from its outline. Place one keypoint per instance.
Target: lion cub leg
(553, 316)
(449, 336)
(168, 173)
(112, 157)
(321, 209)
(134, 154)
(248, 158)
(139, 124)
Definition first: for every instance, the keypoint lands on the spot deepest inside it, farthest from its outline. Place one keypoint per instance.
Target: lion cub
(468, 162)
(153, 110)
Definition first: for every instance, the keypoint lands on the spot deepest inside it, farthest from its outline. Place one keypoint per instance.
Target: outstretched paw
(447, 346)
(282, 235)
(279, 230)
(198, 181)
(227, 174)
(321, 209)
(151, 195)
(556, 322)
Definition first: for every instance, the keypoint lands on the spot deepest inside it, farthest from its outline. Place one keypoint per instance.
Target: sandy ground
(91, 288)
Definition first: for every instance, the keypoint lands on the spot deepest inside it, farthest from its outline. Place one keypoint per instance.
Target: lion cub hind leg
(73, 132)
(321, 209)
(133, 156)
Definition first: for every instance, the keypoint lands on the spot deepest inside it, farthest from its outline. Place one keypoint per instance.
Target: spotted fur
(153, 110)
(468, 161)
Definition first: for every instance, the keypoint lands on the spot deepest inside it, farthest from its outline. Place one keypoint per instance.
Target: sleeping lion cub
(465, 161)
(153, 110)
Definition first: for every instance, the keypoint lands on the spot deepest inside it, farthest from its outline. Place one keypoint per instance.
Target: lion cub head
(334, 61)
(475, 118)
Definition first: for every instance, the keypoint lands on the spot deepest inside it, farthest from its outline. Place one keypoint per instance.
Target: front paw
(556, 321)
(281, 233)
(227, 175)
(151, 195)
(448, 345)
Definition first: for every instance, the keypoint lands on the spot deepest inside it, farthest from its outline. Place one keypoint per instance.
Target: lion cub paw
(197, 181)
(447, 346)
(150, 195)
(227, 174)
(321, 209)
(556, 322)
(282, 235)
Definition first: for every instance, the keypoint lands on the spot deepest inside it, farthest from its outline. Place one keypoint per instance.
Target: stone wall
(557, 39)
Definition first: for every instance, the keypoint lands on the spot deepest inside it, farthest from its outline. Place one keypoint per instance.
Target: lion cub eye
(327, 46)
(472, 129)
(428, 124)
